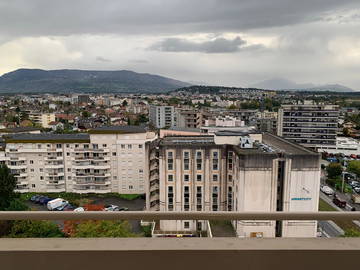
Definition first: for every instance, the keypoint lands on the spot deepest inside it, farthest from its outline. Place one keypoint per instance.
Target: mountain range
(284, 84)
(67, 81)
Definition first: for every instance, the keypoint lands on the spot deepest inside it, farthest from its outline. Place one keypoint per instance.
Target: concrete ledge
(153, 253)
(157, 215)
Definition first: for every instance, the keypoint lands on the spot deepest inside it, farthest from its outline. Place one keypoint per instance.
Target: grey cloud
(45, 18)
(102, 59)
(218, 45)
(139, 61)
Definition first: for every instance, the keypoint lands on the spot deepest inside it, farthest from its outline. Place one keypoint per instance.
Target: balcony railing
(180, 253)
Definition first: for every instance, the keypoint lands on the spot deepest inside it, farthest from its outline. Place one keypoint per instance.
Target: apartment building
(108, 159)
(234, 171)
(162, 116)
(42, 119)
(188, 119)
(312, 126)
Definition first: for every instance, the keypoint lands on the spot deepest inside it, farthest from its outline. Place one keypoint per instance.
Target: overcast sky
(220, 42)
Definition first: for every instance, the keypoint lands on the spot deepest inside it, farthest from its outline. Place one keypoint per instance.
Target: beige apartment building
(108, 159)
(42, 119)
(234, 171)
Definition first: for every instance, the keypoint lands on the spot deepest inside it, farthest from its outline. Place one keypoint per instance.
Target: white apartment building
(234, 172)
(162, 116)
(109, 159)
(309, 125)
(224, 121)
(344, 145)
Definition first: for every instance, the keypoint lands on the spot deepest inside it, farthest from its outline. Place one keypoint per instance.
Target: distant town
(186, 151)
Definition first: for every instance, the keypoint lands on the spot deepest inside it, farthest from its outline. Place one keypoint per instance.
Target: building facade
(162, 116)
(234, 172)
(309, 125)
(109, 159)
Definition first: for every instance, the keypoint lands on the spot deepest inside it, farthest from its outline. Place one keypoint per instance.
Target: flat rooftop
(118, 130)
(281, 145)
(48, 137)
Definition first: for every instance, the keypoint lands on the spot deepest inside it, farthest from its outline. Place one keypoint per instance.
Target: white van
(51, 205)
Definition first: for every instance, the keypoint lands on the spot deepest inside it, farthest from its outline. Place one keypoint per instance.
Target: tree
(334, 170)
(354, 167)
(34, 229)
(17, 205)
(86, 114)
(7, 186)
(103, 228)
(352, 233)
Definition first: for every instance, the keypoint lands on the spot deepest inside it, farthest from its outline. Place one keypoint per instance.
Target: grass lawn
(343, 224)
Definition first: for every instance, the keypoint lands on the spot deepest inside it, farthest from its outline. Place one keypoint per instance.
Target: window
(131, 187)
(199, 160)
(129, 146)
(95, 146)
(186, 225)
(86, 146)
(198, 177)
(115, 177)
(68, 145)
(41, 169)
(123, 146)
(67, 154)
(198, 198)
(215, 196)
(186, 178)
(186, 161)
(76, 146)
(39, 146)
(230, 198)
(170, 198)
(104, 145)
(140, 146)
(33, 185)
(170, 178)
(114, 154)
(31, 170)
(170, 161)
(186, 198)
(230, 161)
(230, 178)
(69, 177)
(69, 169)
(58, 145)
(31, 162)
(141, 170)
(41, 177)
(215, 161)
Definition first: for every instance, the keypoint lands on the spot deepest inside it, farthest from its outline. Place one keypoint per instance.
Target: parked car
(356, 189)
(111, 207)
(33, 198)
(123, 209)
(354, 184)
(327, 190)
(44, 200)
(79, 209)
(37, 200)
(62, 207)
(53, 204)
(68, 207)
(338, 202)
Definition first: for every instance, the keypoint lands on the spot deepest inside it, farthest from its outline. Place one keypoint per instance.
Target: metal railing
(156, 215)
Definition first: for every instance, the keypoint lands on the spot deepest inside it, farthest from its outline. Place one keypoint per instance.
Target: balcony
(176, 253)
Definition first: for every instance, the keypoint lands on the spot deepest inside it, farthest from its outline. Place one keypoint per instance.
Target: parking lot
(133, 205)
